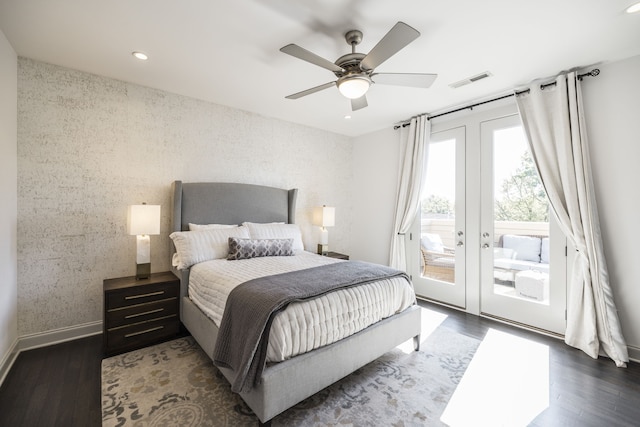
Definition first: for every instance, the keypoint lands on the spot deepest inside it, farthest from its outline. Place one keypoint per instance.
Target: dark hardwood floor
(60, 385)
(582, 391)
(57, 385)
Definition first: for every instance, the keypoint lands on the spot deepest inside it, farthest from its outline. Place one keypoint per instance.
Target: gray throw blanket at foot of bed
(251, 306)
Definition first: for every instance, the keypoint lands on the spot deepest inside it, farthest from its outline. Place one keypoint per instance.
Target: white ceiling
(227, 52)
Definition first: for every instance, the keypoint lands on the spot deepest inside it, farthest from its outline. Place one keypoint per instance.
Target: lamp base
(143, 271)
(323, 249)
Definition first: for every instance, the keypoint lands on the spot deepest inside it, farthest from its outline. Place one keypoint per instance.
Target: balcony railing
(446, 229)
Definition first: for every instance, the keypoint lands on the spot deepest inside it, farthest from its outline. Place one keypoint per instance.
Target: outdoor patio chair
(438, 260)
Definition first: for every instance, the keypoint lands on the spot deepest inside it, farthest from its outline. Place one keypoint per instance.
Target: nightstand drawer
(138, 313)
(142, 312)
(140, 295)
(140, 334)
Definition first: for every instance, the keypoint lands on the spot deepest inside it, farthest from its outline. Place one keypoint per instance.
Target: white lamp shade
(353, 87)
(143, 219)
(324, 216)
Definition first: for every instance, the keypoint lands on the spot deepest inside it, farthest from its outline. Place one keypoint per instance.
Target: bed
(290, 381)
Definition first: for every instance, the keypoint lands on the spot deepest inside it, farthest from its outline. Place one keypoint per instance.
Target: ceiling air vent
(470, 80)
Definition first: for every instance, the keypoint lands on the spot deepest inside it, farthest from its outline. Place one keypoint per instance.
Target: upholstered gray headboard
(226, 203)
(229, 203)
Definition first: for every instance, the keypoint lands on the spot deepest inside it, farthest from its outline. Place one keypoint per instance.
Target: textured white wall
(612, 109)
(89, 146)
(8, 189)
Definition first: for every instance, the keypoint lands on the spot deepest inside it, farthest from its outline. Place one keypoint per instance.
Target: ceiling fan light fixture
(355, 71)
(354, 87)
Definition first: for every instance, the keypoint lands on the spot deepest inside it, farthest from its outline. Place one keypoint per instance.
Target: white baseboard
(7, 361)
(56, 336)
(634, 353)
(43, 339)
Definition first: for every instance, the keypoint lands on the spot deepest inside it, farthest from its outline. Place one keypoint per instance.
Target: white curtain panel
(412, 173)
(553, 119)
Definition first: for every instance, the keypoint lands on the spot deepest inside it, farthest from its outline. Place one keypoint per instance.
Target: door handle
(485, 246)
(460, 243)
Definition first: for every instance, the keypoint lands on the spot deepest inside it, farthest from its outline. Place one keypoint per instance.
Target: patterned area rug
(176, 384)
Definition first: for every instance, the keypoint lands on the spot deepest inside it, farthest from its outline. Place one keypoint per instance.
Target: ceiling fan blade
(359, 103)
(310, 91)
(398, 37)
(404, 79)
(305, 55)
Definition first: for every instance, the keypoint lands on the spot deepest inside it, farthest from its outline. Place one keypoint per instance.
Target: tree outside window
(521, 197)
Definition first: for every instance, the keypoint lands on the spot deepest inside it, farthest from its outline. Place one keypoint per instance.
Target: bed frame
(286, 383)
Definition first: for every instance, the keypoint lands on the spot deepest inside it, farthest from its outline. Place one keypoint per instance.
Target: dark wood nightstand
(140, 312)
(337, 255)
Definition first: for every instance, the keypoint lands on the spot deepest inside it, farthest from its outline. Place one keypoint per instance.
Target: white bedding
(305, 325)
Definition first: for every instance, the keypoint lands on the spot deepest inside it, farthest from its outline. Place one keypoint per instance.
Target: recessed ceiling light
(633, 8)
(347, 117)
(140, 55)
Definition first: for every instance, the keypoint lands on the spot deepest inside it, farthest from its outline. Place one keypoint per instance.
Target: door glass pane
(521, 221)
(437, 239)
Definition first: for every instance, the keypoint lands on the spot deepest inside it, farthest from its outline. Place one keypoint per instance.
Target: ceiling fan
(355, 71)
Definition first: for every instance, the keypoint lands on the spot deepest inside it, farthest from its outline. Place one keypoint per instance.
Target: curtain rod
(591, 73)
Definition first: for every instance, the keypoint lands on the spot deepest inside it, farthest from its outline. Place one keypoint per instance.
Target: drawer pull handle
(146, 331)
(144, 295)
(131, 316)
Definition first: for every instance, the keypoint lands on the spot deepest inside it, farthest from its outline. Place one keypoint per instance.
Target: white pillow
(544, 250)
(276, 231)
(193, 247)
(527, 248)
(200, 227)
(432, 242)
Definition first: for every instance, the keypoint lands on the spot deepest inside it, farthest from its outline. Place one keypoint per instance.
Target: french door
(481, 179)
(522, 254)
(439, 262)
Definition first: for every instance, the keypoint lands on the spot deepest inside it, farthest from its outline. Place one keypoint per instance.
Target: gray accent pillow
(253, 248)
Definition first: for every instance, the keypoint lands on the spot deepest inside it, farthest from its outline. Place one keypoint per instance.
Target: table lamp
(324, 217)
(143, 220)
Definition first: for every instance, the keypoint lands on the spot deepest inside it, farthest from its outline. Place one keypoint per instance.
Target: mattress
(306, 325)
